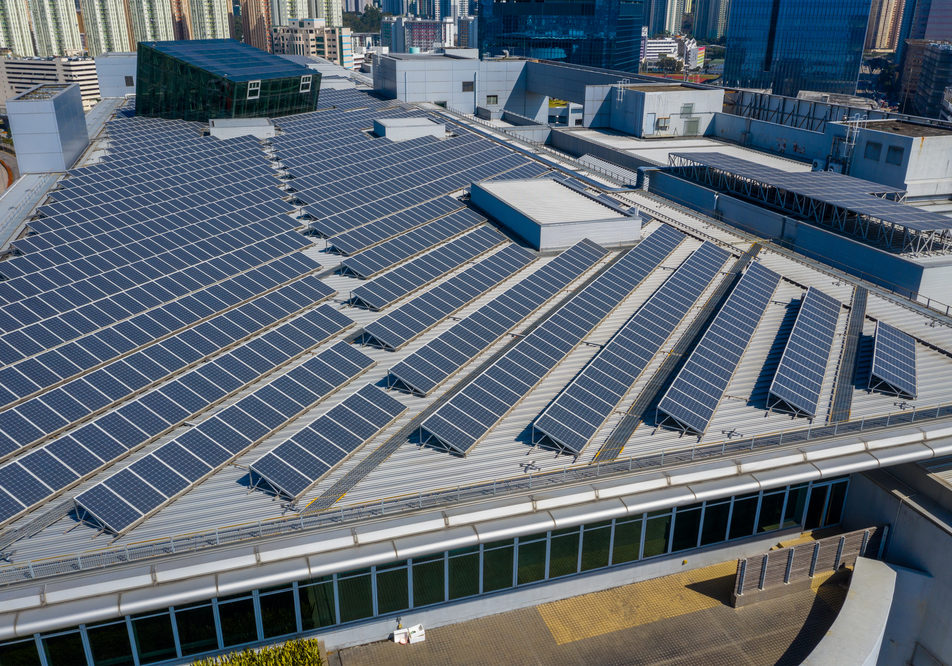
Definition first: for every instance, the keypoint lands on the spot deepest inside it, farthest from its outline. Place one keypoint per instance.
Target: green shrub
(303, 652)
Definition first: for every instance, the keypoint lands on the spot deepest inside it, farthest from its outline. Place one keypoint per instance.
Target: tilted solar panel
(894, 362)
(690, 401)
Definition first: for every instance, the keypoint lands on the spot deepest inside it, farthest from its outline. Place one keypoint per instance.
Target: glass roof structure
(230, 59)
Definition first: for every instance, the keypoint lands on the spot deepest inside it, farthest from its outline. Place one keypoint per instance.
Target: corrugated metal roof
(226, 499)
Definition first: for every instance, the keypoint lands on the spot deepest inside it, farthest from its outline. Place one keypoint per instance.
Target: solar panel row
(798, 382)
(574, 417)
(428, 367)
(410, 320)
(301, 461)
(894, 361)
(53, 362)
(394, 285)
(123, 499)
(464, 419)
(370, 234)
(690, 401)
(402, 247)
(45, 471)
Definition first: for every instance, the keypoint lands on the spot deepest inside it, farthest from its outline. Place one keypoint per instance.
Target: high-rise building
(655, 16)
(674, 16)
(935, 77)
(710, 19)
(598, 33)
(106, 25)
(210, 19)
(332, 11)
(256, 23)
(885, 19)
(467, 33)
(312, 37)
(55, 28)
(152, 20)
(924, 19)
(791, 45)
(15, 28)
(181, 19)
(400, 33)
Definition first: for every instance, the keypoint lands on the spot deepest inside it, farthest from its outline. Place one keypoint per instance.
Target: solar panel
(397, 328)
(464, 419)
(370, 262)
(428, 367)
(301, 461)
(399, 282)
(690, 401)
(798, 382)
(136, 423)
(213, 442)
(572, 419)
(894, 362)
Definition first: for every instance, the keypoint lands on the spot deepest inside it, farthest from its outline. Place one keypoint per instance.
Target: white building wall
(112, 70)
(48, 134)
(15, 28)
(55, 27)
(17, 75)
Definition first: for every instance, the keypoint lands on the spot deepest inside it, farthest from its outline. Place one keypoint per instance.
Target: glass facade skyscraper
(597, 33)
(793, 45)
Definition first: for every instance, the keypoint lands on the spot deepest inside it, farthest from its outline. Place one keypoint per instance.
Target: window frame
(256, 87)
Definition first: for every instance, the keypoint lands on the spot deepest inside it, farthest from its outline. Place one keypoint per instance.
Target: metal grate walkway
(843, 386)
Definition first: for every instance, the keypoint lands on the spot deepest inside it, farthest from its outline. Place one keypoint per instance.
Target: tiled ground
(679, 619)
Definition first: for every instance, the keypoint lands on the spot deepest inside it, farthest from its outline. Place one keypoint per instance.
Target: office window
(894, 155)
(305, 83)
(129, 82)
(254, 89)
(468, 86)
(492, 99)
(873, 151)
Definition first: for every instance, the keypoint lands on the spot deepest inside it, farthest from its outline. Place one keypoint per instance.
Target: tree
(369, 21)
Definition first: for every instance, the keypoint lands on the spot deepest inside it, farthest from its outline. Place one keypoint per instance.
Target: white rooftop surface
(406, 122)
(240, 122)
(548, 202)
(657, 150)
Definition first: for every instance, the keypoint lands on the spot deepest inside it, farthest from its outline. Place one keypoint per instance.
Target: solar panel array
(836, 189)
(395, 284)
(894, 361)
(400, 248)
(48, 412)
(464, 419)
(123, 499)
(693, 397)
(798, 382)
(301, 461)
(574, 417)
(396, 181)
(395, 329)
(51, 468)
(428, 367)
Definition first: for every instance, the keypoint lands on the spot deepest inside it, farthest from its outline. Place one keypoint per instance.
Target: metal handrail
(444, 497)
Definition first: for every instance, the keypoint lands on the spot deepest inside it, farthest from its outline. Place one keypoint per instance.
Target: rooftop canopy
(230, 59)
(861, 207)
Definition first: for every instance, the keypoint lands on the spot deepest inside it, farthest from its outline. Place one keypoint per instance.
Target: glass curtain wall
(391, 588)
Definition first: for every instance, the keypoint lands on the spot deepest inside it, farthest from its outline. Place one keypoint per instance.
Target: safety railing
(446, 497)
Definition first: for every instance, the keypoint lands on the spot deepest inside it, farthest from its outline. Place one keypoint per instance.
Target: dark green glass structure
(220, 78)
